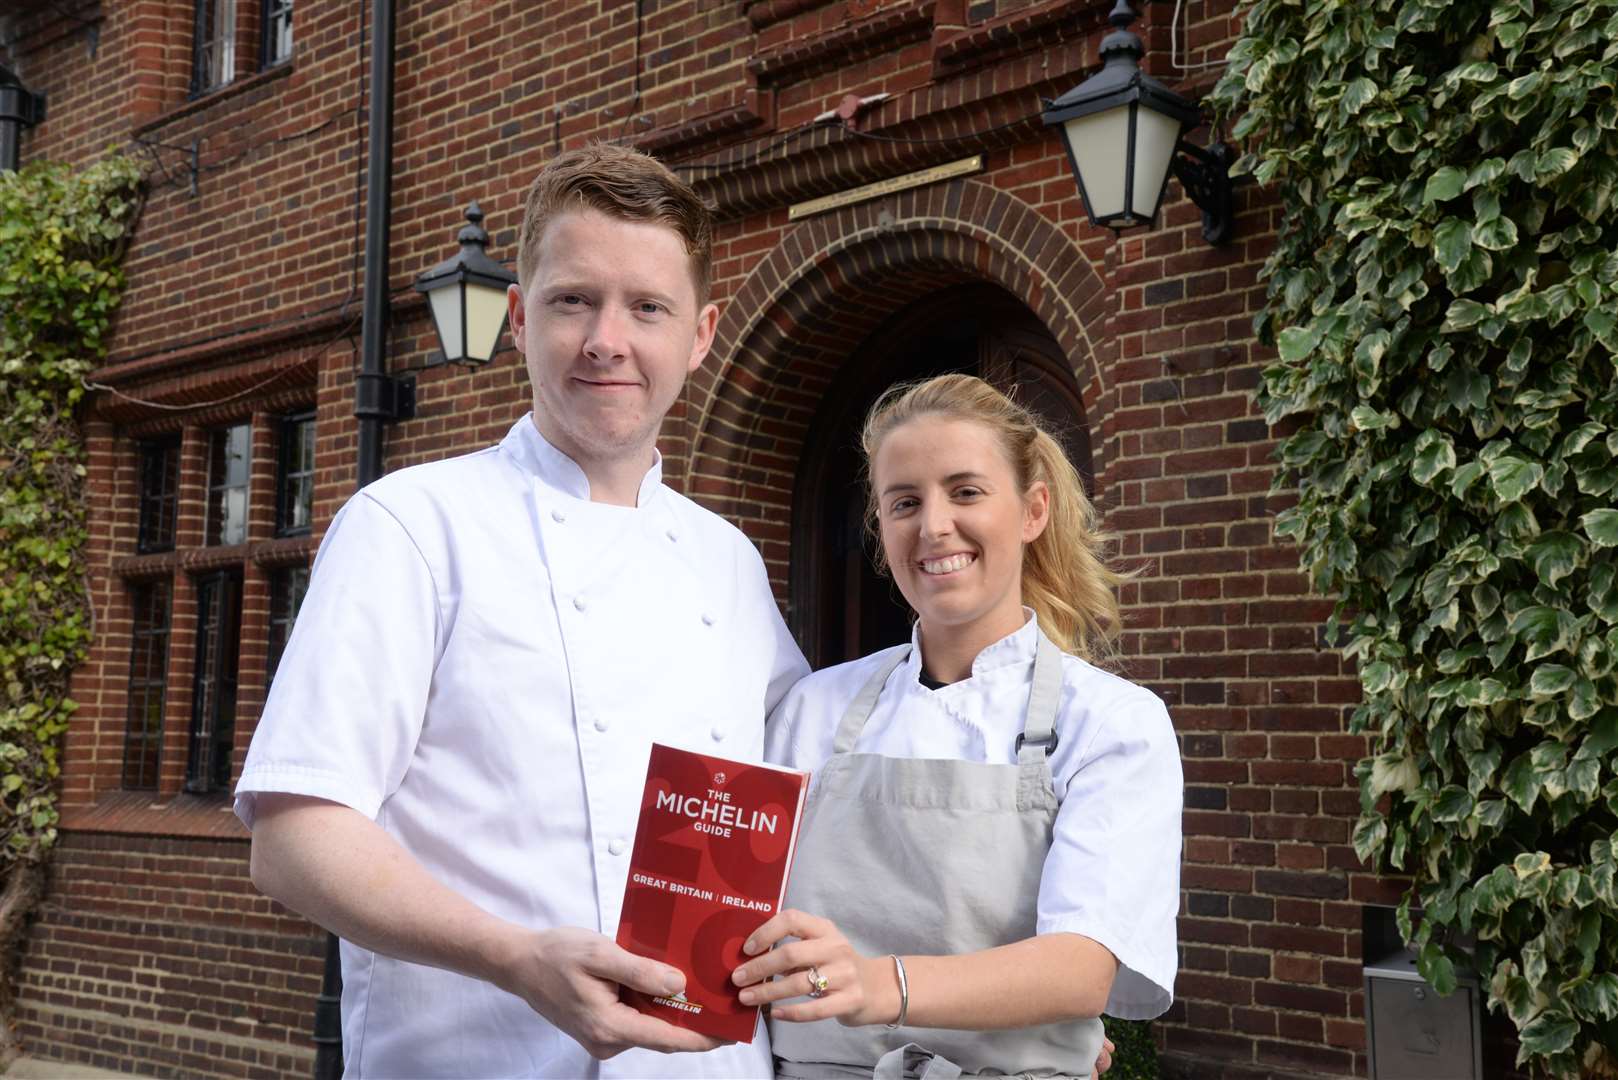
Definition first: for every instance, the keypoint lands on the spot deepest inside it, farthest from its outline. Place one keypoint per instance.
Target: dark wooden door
(841, 608)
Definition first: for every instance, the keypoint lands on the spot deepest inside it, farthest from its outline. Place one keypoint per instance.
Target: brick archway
(797, 318)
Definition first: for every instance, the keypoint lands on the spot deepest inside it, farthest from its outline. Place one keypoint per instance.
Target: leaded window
(213, 689)
(159, 494)
(229, 453)
(295, 478)
(213, 45)
(148, 679)
(277, 25)
(287, 586)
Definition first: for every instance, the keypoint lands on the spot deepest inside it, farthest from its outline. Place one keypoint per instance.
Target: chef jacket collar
(534, 455)
(1017, 647)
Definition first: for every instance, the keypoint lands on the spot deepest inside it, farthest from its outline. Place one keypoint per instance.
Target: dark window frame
(158, 456)
(214, 531)
(285, 475)
(270, 11)
(215, 679)
(204, 40)
(149, 642)
(288, 586)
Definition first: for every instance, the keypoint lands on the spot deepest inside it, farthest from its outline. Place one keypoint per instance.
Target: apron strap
(1038, 739)
(859, 710)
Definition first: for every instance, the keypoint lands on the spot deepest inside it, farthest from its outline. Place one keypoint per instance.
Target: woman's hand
(859, 990)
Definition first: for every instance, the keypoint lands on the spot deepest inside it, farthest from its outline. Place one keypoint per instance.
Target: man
(449, 766)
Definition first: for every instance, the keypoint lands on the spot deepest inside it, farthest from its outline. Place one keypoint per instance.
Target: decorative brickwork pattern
(821, 290)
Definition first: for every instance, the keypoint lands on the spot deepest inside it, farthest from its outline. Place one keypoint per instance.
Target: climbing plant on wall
(62, 234)
(1443, 297)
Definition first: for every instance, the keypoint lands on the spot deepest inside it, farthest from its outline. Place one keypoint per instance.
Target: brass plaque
(963, 167)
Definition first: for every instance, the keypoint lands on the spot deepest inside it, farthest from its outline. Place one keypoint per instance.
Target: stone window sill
(213, 98)
(146, 813)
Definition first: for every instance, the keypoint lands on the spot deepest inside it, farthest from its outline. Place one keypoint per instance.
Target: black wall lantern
(20, 109)
(468, 296)
(1123, 129)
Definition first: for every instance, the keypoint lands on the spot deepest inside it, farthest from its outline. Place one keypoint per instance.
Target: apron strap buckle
(1048, 744)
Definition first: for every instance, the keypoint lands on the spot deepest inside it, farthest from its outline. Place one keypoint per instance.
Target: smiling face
(610, 326)
(953, 522)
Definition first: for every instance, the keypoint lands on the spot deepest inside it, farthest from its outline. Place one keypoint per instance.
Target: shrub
(61, 239)
(1443, 297)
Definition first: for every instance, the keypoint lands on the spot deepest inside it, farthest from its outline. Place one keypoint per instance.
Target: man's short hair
(620, 183)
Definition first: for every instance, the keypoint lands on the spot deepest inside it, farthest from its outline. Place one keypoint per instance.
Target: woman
(991, 846)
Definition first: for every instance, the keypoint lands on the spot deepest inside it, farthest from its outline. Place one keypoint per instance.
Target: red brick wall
(157, 956)
(243, 303)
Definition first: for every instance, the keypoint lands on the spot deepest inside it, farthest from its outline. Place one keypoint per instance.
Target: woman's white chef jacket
(481, 664)
(1113, 872)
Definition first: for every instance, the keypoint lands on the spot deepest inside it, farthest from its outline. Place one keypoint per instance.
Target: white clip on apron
(931, 857)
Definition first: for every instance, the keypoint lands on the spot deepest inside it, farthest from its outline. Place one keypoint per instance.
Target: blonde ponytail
(1065, 576)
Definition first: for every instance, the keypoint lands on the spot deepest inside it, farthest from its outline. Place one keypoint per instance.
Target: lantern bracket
(388, 398)
(1205, 175)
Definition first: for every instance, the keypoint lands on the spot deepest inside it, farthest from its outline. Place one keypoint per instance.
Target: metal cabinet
(1411, 1032)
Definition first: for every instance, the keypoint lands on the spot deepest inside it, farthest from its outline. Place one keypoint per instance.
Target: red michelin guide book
(712, 850)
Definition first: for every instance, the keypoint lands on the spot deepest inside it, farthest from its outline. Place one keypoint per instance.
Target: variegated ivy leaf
(1488, 327)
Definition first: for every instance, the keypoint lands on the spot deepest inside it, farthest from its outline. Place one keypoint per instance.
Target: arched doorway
(841, 607)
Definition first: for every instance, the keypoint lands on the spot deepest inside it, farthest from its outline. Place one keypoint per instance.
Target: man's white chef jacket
(481, 664)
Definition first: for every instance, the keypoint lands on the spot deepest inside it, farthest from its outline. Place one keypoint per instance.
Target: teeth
(946, 566)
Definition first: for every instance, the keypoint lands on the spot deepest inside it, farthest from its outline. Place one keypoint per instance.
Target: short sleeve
(779, 748)
(347, 704)
(1113, 872)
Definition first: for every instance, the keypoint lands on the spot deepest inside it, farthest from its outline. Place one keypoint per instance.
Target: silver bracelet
(904, 990)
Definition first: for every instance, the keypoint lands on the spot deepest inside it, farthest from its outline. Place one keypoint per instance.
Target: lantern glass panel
(1099, 144)
(446, 301)
(1155, 139)
(485, 318)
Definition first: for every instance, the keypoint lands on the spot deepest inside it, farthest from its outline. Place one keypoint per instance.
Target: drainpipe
(379, 399)
(19, 109)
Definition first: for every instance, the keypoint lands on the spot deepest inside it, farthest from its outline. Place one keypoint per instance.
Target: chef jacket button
(578, 603)
(673, 536)
(601, 723)
(558, 517)
(707, 620)
(617, 847)
(718, 734)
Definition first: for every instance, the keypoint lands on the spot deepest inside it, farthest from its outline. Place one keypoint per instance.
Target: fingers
(791, 984)
(572, 979)
(844, 996)
(637, 1029)
(1104, 1062)
(618, 965)
(825, 1008)
(788, 923)
(792, 957)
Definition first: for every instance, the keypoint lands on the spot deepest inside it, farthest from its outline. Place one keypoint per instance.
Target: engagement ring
(818, 983)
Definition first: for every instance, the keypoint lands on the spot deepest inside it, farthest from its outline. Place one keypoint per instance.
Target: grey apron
(931, 857)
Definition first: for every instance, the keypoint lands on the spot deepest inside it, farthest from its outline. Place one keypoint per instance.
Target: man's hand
(341, 870)
(571, 977)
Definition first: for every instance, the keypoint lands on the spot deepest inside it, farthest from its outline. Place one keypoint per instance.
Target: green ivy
(1134, 1056)
(1443, 296)
(62, 235)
